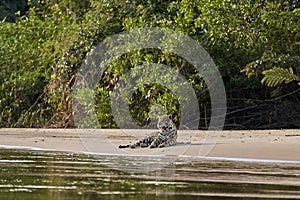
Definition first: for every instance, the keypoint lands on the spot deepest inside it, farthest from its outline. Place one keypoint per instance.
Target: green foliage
(38, 57)
(276, 76)
(41, 52)
(278, 38)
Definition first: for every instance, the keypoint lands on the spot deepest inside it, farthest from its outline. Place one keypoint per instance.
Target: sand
(259, 144)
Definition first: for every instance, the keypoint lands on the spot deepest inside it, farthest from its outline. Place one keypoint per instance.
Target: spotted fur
(167, 135)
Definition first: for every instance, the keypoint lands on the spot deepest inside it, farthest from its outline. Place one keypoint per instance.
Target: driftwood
(292, 135)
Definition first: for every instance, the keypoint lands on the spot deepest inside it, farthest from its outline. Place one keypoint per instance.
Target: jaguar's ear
(170, 116)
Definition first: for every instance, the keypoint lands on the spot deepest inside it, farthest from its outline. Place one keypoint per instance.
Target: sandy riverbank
(259, 144)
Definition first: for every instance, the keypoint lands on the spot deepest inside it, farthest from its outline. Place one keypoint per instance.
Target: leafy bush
(41, 52)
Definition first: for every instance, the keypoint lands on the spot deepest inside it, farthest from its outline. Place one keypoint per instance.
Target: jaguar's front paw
(143, 145)
(161, 146)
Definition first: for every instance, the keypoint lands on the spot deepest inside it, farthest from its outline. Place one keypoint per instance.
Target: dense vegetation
(255, 44)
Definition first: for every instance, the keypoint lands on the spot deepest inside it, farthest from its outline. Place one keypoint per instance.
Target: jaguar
(166, 136)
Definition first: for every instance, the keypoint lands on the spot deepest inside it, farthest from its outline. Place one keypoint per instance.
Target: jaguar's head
(164, 122)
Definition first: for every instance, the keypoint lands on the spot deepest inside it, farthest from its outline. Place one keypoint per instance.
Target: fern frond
(278, 75)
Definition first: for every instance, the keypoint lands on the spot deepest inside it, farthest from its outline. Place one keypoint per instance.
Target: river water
(35, 174)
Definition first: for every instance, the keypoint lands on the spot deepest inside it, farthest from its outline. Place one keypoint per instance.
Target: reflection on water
(56, 175)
